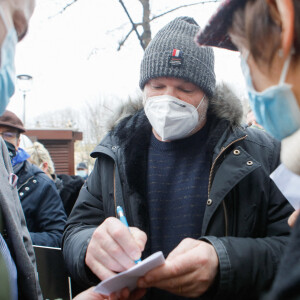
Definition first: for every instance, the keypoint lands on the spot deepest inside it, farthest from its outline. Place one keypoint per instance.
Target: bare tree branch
(121, 43)
(64, 8)
(133, 25)
(182, 6)
(146, 23)
(146, 37)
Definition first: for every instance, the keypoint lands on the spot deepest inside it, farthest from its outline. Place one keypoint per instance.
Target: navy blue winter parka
(42, 205)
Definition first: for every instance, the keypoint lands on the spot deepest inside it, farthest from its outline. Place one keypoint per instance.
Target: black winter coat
(42, 206)
(69, 189)
(245, 217)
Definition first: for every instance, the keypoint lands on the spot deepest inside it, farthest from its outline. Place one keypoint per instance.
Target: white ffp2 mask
(171, 118)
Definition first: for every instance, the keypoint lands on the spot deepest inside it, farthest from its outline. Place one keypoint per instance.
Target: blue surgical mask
(7, 67)
(81, 173)
(276, 108)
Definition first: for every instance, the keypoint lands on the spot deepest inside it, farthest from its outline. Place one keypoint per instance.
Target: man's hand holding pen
(113, 248)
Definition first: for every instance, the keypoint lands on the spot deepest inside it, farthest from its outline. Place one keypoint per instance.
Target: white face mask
(171, 118)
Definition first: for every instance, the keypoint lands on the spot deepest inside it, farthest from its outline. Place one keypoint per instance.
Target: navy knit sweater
(177, 187)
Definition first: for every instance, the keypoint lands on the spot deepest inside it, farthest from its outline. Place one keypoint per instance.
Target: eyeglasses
(8, 135)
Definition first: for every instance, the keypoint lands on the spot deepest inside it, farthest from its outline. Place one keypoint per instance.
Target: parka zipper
(115, 201)
(25, 182)
(210, 180)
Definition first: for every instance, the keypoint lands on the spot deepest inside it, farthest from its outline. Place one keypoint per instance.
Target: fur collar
(224, 104)
(131, 130)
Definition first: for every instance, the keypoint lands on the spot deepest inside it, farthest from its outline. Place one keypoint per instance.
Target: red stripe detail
(174, 52)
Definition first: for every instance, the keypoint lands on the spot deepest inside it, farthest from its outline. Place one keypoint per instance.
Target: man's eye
(9, 135)
(188, 91)
(156, 87)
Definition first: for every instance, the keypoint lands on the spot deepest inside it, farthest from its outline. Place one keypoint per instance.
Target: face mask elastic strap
(200, 102)
(285, 69)
(2, 15)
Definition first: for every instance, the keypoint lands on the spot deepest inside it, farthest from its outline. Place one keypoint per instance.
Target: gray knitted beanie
(174, 53)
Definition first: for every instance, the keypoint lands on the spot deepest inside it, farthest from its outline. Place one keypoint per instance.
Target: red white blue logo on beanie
(176, 59)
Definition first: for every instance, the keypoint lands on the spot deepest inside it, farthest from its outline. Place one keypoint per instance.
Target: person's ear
(283, 13)
(45, 167)
(18, 142)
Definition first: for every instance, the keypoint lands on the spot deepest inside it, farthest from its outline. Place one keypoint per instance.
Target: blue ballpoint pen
(122, 218)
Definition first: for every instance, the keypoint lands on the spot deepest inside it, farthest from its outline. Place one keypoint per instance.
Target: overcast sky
(73, 56)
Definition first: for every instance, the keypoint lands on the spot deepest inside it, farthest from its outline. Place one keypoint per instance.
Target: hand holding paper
(130, 277)
(293, 218)
(189, 271)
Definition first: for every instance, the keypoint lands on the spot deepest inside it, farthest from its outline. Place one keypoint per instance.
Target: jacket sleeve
(287, 282)
(86, 216)
(50, 217)
(247, 265)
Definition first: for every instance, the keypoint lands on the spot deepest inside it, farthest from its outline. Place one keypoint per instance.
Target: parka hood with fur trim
(224, 105)
(130, 131)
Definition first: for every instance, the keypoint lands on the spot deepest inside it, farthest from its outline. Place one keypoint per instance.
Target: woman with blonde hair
(40, 156)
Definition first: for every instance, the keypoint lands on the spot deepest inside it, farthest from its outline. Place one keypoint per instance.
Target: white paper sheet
(288, 183)
(130, 277)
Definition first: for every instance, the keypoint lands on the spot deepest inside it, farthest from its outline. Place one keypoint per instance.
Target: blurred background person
(40, 156)
(82, 170)
(68, 186)
(18, 274)
(267, 34)
(42, 205)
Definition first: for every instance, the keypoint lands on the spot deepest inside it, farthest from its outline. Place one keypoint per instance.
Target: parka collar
(132, 135)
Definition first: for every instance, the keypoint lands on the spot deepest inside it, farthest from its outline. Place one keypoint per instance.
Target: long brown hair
(255, 29)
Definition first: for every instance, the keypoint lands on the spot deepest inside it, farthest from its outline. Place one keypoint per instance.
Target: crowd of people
(193, 179)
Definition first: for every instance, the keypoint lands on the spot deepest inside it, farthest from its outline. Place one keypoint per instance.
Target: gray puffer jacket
(245, 217)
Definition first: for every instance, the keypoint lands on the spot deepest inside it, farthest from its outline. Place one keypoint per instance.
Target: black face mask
(11, 150)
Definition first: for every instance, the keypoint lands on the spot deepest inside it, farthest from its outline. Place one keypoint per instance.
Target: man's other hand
(293, 217)
(189, 270)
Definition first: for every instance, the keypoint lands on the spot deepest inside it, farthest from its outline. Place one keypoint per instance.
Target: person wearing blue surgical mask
(15, 242)
(267, 34)
(19, 278)
(82, 170)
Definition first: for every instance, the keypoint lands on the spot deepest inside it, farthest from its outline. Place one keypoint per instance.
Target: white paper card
(288, 183)
(130, 277)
